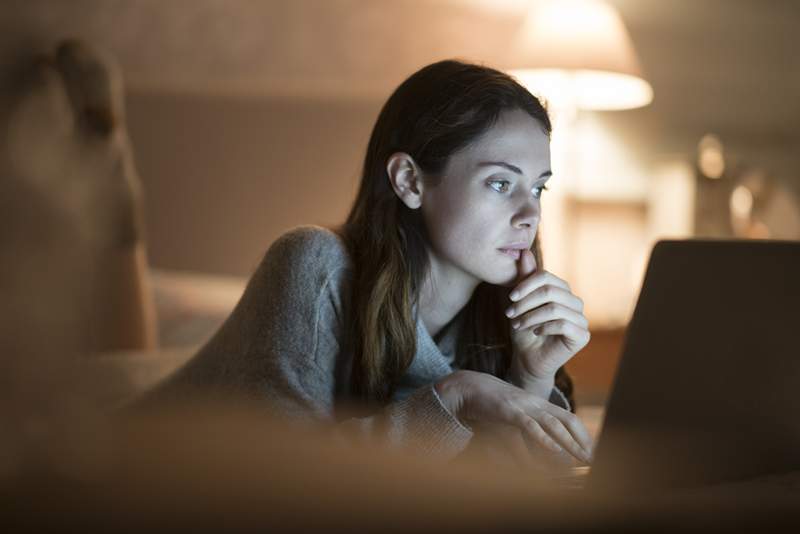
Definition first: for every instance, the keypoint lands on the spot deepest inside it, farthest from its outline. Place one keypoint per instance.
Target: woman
(406, 310)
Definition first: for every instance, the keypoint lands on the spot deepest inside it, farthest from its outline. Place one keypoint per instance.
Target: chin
(498, 278)
(509, 283)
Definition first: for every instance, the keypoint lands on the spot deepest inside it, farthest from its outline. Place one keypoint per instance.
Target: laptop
(708, 386)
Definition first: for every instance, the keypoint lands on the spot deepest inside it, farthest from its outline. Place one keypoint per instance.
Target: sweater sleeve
(282, 344)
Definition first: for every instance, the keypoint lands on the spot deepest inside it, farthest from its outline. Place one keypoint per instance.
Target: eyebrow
(512, 168)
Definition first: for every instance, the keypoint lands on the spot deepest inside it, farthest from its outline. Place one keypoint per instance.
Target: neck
(443, 294)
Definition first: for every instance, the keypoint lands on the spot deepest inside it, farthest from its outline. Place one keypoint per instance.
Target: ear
(406, 179)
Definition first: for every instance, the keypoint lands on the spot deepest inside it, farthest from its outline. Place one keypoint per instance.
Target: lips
(513, 252)
(517, 245)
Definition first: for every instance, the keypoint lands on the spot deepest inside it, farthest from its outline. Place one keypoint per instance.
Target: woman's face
(488, 199)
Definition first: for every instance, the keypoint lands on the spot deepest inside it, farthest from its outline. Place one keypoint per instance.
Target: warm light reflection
(605, 165)
(671, 199)
(711, 159)
(607, 246)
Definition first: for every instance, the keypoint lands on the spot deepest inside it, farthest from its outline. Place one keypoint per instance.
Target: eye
(537, 191)
(504, 187)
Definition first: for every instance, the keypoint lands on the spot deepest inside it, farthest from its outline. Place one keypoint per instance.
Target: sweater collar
(435, 357)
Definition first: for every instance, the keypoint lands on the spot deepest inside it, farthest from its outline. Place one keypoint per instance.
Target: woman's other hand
(547, 326)
(484, 401)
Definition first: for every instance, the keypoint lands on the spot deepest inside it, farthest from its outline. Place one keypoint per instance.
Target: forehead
(515, 138)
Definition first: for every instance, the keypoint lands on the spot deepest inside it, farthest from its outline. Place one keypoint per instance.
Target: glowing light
(586, 89)
(577, 53)
(711, 159)
(741, 202)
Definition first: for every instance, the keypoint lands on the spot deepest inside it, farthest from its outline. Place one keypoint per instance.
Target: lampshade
(578, 53)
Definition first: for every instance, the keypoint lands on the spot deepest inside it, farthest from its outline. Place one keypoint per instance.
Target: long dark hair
(437, 111)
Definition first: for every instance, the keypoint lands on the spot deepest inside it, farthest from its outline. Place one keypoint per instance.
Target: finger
(552, 311)
(543, 295)
(534, 432)
(576, 428)
(559, 433)
(560, 327)
(535, 280)
(526, 265)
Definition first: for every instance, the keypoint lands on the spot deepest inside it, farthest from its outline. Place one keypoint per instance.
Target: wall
(224, 177)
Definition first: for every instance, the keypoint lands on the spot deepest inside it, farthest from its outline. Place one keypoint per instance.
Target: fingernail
(510, 312)
(514, 295)
(515, 324)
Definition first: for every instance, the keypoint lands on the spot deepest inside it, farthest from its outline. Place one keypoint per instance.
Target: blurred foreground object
(73, 253)
(73, 265)
(230, 467)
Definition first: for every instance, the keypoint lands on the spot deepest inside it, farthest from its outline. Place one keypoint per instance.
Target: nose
(527, 214)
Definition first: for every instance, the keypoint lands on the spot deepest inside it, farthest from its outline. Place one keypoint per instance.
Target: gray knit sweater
(283, 343)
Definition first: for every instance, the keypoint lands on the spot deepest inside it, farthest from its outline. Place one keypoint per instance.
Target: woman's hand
(481, 400)
(547, 324)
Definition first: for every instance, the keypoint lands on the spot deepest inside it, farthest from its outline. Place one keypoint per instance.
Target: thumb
(526, 265)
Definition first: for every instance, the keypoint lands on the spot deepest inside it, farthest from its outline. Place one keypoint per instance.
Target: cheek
(464, 235)
(456, 216)
(443, 214)
(462, 223)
